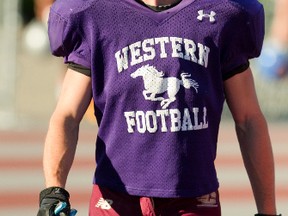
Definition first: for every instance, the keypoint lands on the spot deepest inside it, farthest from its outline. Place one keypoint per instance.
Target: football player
(159, 73)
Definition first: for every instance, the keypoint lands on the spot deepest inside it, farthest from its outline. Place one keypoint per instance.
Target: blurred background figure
(35, 38)
(35, 16)
(273, 62)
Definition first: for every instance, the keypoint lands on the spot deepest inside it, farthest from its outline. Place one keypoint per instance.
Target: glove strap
(58, 191)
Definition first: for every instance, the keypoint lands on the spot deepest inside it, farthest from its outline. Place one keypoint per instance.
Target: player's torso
(158, 84)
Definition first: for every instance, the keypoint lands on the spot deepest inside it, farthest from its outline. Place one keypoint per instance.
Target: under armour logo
(104, 204)
(202, 15)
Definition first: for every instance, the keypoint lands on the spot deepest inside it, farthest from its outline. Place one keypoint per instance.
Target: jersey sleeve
(66, 40)
(242, 39)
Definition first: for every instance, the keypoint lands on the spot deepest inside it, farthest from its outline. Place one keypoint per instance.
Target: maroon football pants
(105, 202)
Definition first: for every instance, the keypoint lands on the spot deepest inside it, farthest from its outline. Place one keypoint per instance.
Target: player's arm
(62, 136)
(253, 137)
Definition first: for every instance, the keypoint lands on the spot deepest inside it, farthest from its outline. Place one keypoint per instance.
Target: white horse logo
(155, 83)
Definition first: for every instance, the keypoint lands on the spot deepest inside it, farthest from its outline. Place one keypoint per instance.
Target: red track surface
(11, 198)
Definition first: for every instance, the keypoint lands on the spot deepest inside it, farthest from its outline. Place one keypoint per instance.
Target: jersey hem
(159, 192)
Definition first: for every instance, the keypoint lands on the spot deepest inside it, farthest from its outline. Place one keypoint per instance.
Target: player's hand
(54, 201)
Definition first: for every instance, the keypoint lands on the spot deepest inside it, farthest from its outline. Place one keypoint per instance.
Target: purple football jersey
(157, 82)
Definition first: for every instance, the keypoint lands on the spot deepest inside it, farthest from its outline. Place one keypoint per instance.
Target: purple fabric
(157, 82)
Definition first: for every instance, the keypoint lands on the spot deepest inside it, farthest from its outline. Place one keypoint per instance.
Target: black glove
(54, 201)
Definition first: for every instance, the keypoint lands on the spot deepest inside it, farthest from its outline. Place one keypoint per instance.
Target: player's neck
(160, 2)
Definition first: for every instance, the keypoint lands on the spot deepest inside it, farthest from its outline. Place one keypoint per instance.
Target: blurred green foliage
(269, 10)
(26, 8)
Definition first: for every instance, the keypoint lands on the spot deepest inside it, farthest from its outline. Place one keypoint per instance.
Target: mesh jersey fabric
(157, 83)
